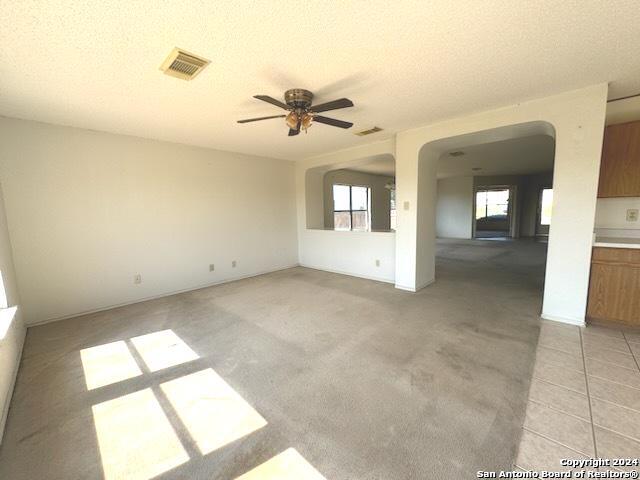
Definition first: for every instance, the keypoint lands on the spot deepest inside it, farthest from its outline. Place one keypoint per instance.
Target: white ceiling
(517, 156)
(407, 63)
(380, 166)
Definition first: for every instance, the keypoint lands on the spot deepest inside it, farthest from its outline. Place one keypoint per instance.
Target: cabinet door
(614, 293)
(620, 165)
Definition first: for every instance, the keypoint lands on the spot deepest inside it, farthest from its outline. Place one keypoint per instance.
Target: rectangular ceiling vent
(184, 65)
(368, 132)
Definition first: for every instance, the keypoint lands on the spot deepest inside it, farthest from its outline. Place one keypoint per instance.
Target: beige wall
(454, 210)
(611, 213)
(87, 211)
(380, 196)
(531, 198)
(12, 329)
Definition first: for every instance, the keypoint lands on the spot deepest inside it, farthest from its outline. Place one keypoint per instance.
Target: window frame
(351, 210)
(393, 210)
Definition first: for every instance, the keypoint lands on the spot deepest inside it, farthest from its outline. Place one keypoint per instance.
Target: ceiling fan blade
(334, 105)
(332, 121)
(260, 118)
(272, 101)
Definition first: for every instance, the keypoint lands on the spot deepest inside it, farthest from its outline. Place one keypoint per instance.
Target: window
(351, 207)
(7, 313)
(546, 206)
(492, 204)
(392, 209)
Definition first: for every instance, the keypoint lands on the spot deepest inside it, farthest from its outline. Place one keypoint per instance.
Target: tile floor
(584, 399)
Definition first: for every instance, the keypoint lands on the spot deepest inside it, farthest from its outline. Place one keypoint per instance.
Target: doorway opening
(493, 213)
(491, 190)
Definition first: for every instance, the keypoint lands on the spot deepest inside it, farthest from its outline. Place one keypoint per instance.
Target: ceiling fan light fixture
(307, 120)
(292, 120)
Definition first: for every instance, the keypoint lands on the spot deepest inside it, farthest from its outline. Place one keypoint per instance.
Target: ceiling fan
(301, 113)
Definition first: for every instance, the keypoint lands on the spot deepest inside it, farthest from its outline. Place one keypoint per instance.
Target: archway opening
(357, 195)
(490, 185)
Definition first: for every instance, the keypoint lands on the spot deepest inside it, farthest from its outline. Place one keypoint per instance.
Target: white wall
(353, 253)
(12, 329)
(611, 213)
(87, 211)
(454, 209)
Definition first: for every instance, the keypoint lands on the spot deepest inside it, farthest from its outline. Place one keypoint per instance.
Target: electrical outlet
(377, 262)
(137, 279)
(406, 205)
(212, 267)
(233, 264)
(632, 215)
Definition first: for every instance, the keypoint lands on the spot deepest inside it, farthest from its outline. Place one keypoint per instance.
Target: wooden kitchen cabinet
(620, 164)
(614, 289)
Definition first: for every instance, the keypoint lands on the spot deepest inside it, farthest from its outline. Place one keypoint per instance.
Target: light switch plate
(406, 205)
(632, 215)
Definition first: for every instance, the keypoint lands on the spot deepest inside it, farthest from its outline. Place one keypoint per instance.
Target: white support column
(575, 189)
(406, 213)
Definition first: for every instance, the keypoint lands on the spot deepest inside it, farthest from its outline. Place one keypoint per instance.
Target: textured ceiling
(517, 156)
(380, 166)
(407, 63)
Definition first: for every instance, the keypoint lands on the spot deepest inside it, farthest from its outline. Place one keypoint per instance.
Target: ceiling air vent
(368, 132)
(184, 65)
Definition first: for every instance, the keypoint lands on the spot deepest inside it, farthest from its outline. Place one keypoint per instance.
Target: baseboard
(162, 295)
(571, 321)
(416, 288)
(406, 289)
(12, 386)
(341, 272)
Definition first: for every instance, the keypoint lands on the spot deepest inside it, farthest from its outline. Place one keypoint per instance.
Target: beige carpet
(310, 371)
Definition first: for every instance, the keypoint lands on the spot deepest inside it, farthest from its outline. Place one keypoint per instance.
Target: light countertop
(616, 242)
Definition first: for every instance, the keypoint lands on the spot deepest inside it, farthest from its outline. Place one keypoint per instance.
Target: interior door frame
(512, 230)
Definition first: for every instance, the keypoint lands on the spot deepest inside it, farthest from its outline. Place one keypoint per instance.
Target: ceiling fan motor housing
(298, 98)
